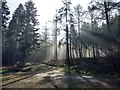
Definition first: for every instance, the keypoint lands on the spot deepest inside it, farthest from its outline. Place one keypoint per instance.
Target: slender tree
(16, 27)
(5, 18)
(30, 34)
(55, 36)
(78, 13)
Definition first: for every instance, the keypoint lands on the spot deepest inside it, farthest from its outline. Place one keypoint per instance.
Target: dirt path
(59, 79)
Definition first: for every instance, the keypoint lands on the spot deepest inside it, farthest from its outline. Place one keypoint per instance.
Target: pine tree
(78, 15)
(5, 15)
(5, 18)
(30, 34)
(16, 27)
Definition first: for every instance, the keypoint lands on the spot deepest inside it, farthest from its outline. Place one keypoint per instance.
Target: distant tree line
(91, 33)
(94, 32)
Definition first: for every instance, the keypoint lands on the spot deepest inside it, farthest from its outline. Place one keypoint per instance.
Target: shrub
(26, 69)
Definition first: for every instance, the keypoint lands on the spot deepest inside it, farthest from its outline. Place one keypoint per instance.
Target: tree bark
(94, 51)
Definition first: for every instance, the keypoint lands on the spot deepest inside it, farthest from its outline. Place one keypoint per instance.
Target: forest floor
(57, 78)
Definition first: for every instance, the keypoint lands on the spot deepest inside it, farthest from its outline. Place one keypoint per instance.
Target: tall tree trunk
(86, 47)
(118, 33)
(93, 51)
(80, 51)
(107, 16)
(70, 48)
(76, 49)
(89, 52)
(84, 51)
(97, 51)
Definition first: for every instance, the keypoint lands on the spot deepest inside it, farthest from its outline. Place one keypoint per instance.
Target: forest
(82, 42)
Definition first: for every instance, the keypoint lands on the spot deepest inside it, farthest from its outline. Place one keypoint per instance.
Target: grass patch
(86, 72)
(8, 77)
(24, 72)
